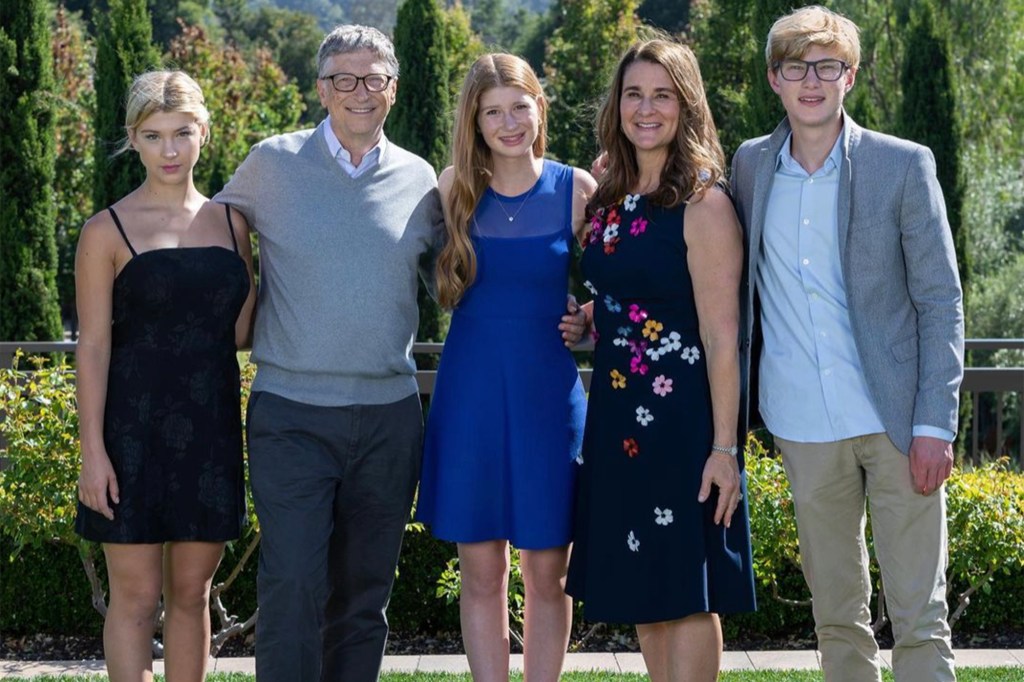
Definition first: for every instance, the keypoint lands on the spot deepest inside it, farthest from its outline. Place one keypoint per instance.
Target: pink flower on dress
(662, 386)
(638, 227)
(636, 313)
(637, 366)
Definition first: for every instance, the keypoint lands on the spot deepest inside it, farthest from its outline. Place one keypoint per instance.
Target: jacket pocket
(905, 349)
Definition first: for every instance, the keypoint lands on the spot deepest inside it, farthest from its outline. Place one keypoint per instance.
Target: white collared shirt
(344, 158)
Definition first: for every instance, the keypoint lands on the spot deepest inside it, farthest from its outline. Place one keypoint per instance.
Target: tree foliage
(248, 99)
(124, 49)
(73, 59)
(29, 308)
(581, 55)
(462, 47)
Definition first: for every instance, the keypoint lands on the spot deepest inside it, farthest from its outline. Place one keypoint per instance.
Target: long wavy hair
(695, 159)
(472, 166)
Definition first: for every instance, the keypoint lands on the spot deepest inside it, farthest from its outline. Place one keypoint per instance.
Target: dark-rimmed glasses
(347, 82)
(825, 69)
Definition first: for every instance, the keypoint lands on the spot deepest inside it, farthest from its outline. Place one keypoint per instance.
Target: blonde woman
(165, 297)
(661, 535)
(506, 420)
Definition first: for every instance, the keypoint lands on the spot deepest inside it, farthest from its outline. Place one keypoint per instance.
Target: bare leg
(685, 650)
(135, 577)
(548, 613)
(188, 572)
(483, 608)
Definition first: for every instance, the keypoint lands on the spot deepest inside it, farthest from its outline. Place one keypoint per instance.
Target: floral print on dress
(662, 385)
(662, 517)
(629, 203)
(631, 447)
(644, 416)
(691, 354)
(612, 305)
(618, 379)
(636, 313)
(651, 329)
(638, 227)
(632, 542)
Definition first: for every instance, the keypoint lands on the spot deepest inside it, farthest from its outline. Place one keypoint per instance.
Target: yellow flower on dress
(651, 329)
(618, 379)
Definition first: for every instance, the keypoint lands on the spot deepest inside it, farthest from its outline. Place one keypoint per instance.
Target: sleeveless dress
(644, 549)
(505, 423)
(172, 423)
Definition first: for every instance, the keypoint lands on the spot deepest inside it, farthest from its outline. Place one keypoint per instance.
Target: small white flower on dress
(663, 516)
(634, 544)
(624, 331)
(630, 202)
(668, 345)
(691, 354)
(644, 416)
(611, 232)
(591, 288)
(619, 341)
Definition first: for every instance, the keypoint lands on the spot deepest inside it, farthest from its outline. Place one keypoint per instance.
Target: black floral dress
(645, 550)
(172, 423)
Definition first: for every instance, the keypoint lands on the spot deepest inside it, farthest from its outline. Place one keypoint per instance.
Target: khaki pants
(829, 483)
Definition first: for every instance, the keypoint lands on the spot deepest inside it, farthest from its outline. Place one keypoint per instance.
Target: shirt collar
(334, 144)
(835, 157)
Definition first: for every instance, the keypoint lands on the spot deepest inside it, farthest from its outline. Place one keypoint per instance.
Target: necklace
(512, 217)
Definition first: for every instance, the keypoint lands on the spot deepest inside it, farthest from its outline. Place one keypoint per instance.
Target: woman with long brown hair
(506, 419)
(661, 535)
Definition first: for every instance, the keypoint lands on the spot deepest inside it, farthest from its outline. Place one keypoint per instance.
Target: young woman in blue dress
(165, 296)
(506, 419)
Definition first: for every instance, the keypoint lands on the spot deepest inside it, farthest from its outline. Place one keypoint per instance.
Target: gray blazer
(899, 269)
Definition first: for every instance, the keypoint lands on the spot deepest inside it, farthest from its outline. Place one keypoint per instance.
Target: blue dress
(505, 423)
(645, 550)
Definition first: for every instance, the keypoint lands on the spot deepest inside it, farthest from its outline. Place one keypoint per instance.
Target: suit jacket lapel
(763, 178)
(845, 185)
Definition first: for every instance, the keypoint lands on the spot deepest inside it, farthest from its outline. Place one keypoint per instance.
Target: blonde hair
(163, 91)
(471, 164)
(793, 35)
(695, 158)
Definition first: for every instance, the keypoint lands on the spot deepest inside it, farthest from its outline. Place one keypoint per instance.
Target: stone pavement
(626, 663)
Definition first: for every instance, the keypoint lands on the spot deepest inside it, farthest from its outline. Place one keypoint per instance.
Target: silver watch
(731, 450)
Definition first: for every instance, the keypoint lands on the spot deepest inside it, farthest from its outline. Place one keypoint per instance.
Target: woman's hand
(96, 481)
(723, 471)
(574, 323)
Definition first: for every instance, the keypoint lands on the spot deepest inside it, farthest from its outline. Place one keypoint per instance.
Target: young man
(851, 260)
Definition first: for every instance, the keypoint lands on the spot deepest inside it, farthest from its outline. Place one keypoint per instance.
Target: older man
(851, 258)
(334, 424)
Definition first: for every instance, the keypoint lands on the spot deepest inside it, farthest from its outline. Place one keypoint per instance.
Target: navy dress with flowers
(172, 424)
(505, 424)
(645, 550)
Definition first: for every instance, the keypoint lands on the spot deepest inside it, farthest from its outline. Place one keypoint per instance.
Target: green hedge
(43, 588)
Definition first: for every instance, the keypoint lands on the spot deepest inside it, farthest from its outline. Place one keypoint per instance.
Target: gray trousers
(333, 488)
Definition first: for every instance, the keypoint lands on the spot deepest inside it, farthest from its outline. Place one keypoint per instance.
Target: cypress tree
(928, 115)
(124, 49)
(29, 307)
(419, 120)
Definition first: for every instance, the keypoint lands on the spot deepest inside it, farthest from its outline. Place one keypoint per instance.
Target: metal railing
(1000, 381)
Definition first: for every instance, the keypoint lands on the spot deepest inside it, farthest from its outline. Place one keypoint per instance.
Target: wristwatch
(731, 450)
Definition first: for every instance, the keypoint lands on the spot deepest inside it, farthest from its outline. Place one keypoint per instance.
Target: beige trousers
(830, 482)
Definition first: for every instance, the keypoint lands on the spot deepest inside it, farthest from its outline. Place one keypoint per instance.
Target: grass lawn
(963, 675)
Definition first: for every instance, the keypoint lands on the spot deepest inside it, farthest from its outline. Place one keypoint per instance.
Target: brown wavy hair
(471, 164)
(695, 158)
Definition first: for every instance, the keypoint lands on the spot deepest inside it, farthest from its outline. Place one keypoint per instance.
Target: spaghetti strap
(120, 229)
(231, 226)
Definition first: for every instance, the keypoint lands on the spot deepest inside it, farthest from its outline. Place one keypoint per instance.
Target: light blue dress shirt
(344, 158)
(812, 386)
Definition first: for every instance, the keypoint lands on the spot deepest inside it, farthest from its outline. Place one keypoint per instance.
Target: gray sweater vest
(338, 260)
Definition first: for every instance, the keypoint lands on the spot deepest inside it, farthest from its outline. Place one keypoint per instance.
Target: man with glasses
(334, 421)
(853, 290)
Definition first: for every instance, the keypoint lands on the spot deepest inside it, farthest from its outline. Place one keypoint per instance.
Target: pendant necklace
(512, 217)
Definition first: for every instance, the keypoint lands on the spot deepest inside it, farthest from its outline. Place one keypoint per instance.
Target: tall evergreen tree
(581, 55)
(419, 119)
(124, 49)
(928, 115)
(29, 307)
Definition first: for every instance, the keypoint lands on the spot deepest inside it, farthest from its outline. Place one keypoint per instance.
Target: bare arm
(715, 260)
(577, 319)
(95, 269)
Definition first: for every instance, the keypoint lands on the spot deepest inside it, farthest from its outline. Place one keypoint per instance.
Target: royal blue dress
(505, 424)
(645, 550)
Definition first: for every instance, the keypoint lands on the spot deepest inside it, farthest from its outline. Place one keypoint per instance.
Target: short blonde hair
(793, 35)
(163, 91)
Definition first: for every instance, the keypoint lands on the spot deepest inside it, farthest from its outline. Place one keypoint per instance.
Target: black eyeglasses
(825, 69)
(347, 82)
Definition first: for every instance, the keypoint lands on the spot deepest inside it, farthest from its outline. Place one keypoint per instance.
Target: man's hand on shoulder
(931, 462)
